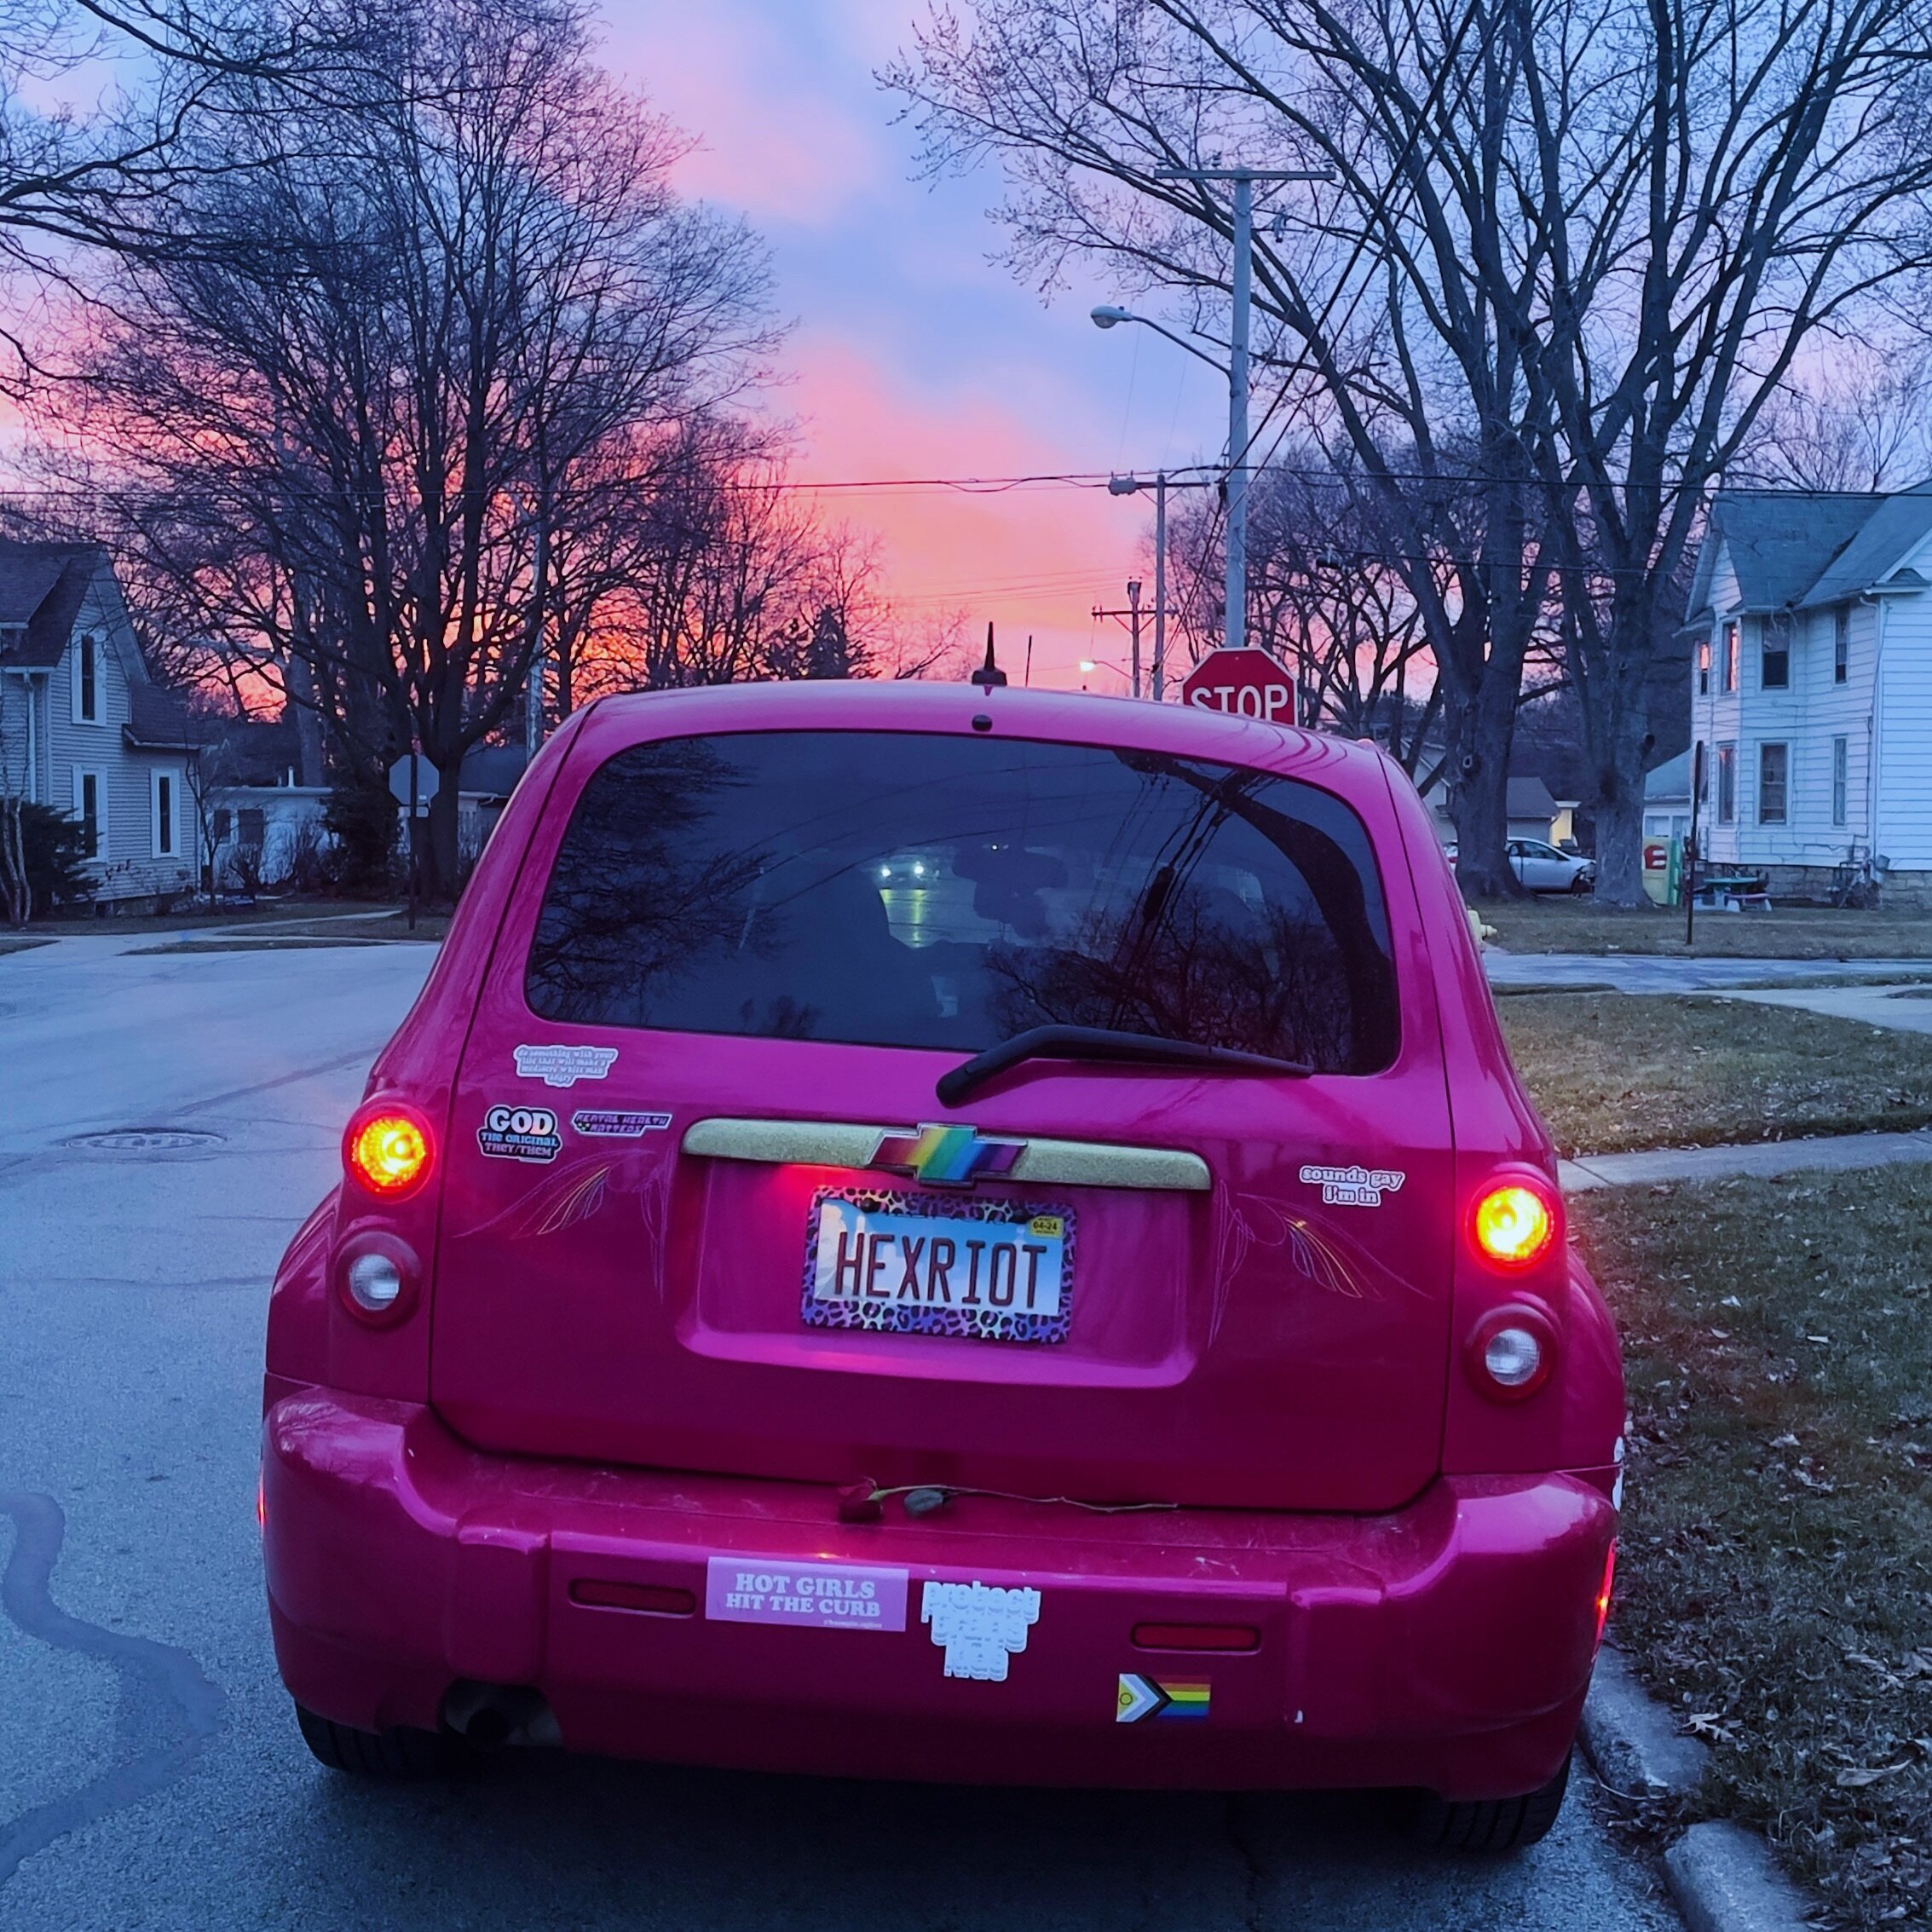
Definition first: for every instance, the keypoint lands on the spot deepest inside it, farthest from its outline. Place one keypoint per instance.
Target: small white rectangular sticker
(563, 1066)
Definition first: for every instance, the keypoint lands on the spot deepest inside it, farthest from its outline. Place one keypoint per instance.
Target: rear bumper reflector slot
(843, 1144)
(1196, 1636)
(653, 1599)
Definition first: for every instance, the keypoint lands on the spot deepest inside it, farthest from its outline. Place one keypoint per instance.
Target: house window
(1773, 767)
(1840, 641)
(1704, 667)
(164, 815)
(87, 682)
(219, 831)
(1841, 772)
(1730, 657)
(91, 796)
(1727, 784)
(1774, 660)
(252, 827)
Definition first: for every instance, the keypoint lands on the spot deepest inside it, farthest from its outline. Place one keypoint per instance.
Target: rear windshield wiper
(1105, 1043)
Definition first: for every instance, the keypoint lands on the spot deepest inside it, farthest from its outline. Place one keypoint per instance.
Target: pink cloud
(767, 140)
(1033, 560)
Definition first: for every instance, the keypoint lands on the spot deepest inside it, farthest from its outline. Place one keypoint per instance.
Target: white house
(1811, 686)
(83, 728)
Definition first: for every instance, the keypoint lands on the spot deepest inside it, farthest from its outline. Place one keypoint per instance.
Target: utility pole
(1131, 618)
(1235, 616)
(1160, 586)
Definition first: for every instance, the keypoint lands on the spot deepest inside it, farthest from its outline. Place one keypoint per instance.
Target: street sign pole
(415, 752)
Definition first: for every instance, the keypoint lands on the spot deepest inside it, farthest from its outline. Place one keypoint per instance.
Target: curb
(1722, 1878)
(1721, 1874)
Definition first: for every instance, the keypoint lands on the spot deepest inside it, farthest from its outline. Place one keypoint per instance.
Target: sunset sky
(912, 355)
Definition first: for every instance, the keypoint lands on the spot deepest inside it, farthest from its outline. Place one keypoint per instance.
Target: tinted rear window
(900, 889)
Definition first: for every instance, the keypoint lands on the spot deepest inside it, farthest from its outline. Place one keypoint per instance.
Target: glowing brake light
(1603, 1593)
(388, 1151)
(1515, 1224)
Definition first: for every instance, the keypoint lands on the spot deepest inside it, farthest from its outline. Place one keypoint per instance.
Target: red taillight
(1603, 1593)
(387, 1149)
(1514, 1224)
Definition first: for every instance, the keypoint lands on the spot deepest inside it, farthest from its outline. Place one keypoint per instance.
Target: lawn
(1776, 1582)
(1786, 933)
(1615, 1071)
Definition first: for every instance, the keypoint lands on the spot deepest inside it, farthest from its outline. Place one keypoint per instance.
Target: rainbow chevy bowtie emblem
(947, 1157)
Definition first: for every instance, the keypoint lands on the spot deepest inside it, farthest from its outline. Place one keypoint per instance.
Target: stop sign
(1247, 684)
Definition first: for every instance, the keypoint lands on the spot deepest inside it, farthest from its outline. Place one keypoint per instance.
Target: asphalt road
(150, 1772)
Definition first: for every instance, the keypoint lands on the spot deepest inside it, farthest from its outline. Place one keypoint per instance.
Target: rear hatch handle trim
(842, 1144)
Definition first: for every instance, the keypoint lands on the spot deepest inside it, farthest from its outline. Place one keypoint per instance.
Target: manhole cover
(145, 1140)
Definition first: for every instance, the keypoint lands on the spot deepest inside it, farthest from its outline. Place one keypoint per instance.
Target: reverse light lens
(1514, 1225)
(1512, 1357)
(389, 1153)
(375, 1282)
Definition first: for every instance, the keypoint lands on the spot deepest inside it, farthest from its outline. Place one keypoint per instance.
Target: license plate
(901, 1264)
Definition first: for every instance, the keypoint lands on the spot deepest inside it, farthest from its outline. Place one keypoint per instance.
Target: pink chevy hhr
(934, 1232)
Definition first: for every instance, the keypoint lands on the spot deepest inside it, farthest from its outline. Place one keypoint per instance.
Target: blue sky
(912, 354)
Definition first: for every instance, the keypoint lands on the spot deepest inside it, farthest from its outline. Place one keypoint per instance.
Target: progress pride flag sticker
(834, 1596)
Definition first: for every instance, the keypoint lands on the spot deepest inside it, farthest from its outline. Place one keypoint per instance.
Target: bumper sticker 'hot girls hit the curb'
(826, 1596)
(1141, 1697)
(519, 1134)
(1353, 1187)
(565, 1066)
(619, 1126)
(980, 1626)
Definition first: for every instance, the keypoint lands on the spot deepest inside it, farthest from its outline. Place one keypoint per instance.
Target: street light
(1241, 230)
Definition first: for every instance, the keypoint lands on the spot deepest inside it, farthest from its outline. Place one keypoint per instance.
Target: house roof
(41, 586)
(1802, 549)
(491, 771)
(1892, 531)
(1670, 780)
(1528, 798)
(158, 721)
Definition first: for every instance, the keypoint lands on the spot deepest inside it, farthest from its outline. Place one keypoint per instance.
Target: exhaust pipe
(490, 1717)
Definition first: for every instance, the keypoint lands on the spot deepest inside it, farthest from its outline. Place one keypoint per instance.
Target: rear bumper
(1447, 1645)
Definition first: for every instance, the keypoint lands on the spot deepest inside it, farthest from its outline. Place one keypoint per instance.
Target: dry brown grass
(1776, 1586)
(1615, 1071)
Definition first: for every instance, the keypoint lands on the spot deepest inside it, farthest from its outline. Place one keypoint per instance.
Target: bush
(305, 860)
(51, 842)
(362, 820)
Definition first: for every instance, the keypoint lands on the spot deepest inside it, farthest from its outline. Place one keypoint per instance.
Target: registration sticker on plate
(914, 1264)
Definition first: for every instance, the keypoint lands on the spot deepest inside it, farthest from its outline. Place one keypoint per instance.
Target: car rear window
(902, 888)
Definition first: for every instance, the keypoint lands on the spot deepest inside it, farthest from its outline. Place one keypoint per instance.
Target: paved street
(150, 1774)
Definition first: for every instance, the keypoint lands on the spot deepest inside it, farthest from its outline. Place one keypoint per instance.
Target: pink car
(932, 1232)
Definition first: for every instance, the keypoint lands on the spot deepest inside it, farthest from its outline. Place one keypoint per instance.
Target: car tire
(1583, 883)
(392, 1757)
(1489, 1826)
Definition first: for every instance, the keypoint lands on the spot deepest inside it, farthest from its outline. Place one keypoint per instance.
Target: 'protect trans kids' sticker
(980, 1626)
(519, 1134)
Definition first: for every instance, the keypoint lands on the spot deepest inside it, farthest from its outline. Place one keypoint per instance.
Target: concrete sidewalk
(1646, 973)
(1834, 1150)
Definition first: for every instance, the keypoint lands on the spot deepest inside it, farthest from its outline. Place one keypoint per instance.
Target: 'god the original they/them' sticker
(519, 1134)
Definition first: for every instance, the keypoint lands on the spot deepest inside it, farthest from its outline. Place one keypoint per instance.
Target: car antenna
(989, 677)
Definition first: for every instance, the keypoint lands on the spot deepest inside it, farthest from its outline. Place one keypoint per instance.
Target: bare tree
(1567, 257)
(1860, 419)
(1326, 597)
(1392, 351)
(372, 421)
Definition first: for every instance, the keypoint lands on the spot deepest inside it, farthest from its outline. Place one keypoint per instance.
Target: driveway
(150, 1774)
